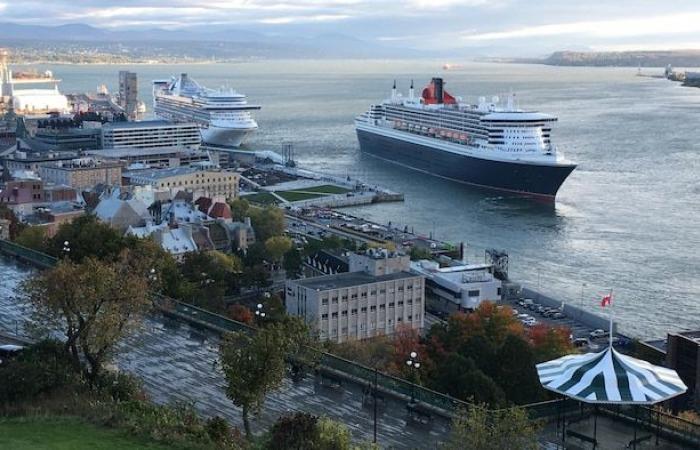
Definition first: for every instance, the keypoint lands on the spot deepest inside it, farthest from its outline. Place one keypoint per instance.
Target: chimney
(410, 91)
(437, 82)
(393, 91)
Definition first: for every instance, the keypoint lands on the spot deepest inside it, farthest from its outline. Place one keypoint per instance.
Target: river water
(626, 219)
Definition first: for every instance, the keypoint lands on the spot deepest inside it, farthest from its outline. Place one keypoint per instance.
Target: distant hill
(681, 58)
(45, 43)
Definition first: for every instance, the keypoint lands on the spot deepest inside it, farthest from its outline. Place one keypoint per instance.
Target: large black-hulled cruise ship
(488, 144)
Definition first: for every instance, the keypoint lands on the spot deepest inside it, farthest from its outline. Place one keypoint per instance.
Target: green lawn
(64, 433)
(327, 189)
(295, 196)
(264, 198)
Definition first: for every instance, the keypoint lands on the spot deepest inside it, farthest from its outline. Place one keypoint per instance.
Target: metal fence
(27, 254)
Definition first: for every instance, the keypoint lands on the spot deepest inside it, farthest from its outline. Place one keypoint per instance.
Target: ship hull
(542, 181)
(225, 137)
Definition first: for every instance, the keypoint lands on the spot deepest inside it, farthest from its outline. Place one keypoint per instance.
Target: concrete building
(205, 182)
(29, 160)
(462, 286)
(128, 93)
(151, 134)
(157, 157)
(359, 305)
(17, 192)
(83, 173)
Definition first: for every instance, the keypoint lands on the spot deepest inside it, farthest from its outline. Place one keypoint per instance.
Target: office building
(150, 134)
(189, 179)
(82, 173)
(157, 157)
(128, 93)
(362, 304)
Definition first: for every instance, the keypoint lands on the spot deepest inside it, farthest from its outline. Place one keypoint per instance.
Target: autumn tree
(241, 314)
(93, 304)
(481, 429)
(550, 342)
(239, 209)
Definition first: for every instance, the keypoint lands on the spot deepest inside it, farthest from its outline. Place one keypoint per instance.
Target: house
(122, 213)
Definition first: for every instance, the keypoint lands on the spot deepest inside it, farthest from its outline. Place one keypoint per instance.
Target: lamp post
(413, 364)
(259, 313)
(66, 249)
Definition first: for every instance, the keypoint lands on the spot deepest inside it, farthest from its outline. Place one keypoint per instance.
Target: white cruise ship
(224, 116)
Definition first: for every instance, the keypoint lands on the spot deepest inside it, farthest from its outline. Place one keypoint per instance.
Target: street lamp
(413, 365)
(259, 311)
(152, 275)
(66, 249)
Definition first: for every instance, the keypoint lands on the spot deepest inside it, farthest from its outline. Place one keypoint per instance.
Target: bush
(38, 369)
(120, 387)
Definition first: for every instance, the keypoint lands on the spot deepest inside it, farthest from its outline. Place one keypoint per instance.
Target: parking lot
(531, 313)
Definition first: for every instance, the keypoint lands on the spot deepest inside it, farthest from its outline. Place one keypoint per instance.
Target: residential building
(177, 240)
(462, 286)
(53, 215)
(82, 173)
(157, 157)
(206, 182)
(128, 93)
(122, 213)
(17, 192)
(151, 134)
(362, 304)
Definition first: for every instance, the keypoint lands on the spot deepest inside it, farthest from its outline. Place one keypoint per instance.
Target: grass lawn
(327, 189)
(65, 433)
(264, 198)
(295, 196)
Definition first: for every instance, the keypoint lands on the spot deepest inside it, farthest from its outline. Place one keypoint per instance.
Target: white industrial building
(464, 285)
(349, 306)
(151, 134)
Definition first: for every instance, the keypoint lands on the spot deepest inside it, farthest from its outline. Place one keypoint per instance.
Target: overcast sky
(513, 25)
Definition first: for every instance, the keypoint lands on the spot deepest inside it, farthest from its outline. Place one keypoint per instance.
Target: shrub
(120, 387)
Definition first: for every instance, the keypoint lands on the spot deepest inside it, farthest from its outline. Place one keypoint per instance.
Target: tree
(241, 314)
(94, 304)
(239, 209)
(294, 432)
(256, 276)
(87, 237)
(550, 342)
(480, 429)
(277, 246)
(292, 263)
(32, 237)
(208, 277)
(253, 366)
(518, 377)
(420, 253)
(267, 222)
(459, 377)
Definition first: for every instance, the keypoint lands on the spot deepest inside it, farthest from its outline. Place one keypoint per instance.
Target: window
(353, 311)
(382, 307)
(324, 301)
(353, 296)
(498, 292)
(381, 291)
(400, 288)
(363, 309)
(334, 315)
(391, 305)
(344, 313)
(409, 301)
(409, 287)
(474, 293)
(324, 316)
(400, 303)
(373, 292)
(344, 298)
(410, 317)
(363, 295)
(334, 300)
(372, 308)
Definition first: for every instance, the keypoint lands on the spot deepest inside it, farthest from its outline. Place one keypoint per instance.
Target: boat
(224, 115)
(492, 144)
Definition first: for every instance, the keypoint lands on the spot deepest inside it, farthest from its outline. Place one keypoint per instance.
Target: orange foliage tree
(240, 313)
(550, 342)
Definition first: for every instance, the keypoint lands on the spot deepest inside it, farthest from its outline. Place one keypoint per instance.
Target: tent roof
(610, 377)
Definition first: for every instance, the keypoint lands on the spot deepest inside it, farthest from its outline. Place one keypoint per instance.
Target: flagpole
(611, 318)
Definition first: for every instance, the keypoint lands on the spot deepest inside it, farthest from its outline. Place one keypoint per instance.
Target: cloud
(661, 25)
(302, 19)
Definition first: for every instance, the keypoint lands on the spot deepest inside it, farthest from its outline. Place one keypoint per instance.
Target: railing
(27, 254)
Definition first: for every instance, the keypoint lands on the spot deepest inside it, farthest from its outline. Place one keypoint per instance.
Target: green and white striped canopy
(610, 377)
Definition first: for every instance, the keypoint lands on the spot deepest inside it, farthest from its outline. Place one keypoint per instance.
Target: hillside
(682, 58)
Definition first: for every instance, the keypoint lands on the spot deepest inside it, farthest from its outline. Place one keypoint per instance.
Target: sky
(490, 26)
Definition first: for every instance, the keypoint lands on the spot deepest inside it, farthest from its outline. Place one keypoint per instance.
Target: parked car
(580, 342)
(595, 334)
(528, 302)
(558, 315)
(9, 351)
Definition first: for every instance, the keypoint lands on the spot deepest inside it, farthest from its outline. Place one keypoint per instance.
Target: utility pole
(374, 395)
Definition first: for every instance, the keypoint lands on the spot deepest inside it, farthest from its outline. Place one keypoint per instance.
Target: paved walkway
(177, 362)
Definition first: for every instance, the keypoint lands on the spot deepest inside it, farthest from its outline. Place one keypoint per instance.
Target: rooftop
(157, 174)
(349, 279)
(124, 152)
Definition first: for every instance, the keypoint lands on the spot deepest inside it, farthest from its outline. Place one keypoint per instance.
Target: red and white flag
(606, 301)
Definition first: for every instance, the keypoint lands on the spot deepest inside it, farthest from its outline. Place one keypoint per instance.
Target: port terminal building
(459, 287)
(378, 296)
